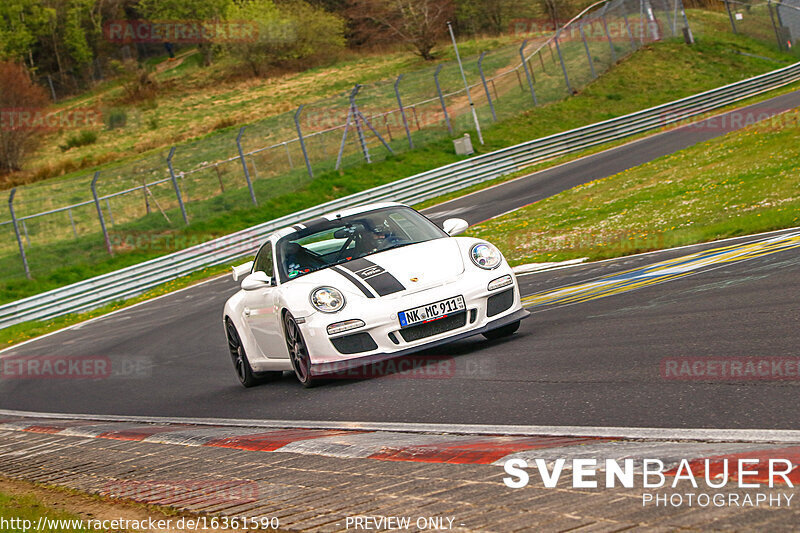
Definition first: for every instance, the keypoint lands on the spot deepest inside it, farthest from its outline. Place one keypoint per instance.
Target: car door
(261, 310)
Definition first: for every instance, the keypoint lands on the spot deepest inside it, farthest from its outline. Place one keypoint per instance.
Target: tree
(559, 10)
(22, 24)
(490, 16)
(18, 96)
(201, 11)
(419, 23)
(293, 32)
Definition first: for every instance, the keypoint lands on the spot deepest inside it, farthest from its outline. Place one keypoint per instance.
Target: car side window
(263, 261)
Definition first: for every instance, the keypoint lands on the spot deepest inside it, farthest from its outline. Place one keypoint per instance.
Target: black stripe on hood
(375, 276)
(354, 280)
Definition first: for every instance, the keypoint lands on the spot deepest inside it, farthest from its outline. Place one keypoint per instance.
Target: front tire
(241, 364)
(503, 331)
(298, 351)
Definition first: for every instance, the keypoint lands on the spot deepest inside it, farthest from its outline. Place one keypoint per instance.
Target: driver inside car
(378, 238)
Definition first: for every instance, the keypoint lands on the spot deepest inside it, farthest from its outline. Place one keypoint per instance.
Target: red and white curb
(416, 447)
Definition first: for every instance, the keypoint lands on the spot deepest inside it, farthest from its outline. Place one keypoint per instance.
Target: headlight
(486, 256)
(327, 299)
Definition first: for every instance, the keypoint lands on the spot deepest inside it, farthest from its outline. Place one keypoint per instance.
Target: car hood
(392, 273)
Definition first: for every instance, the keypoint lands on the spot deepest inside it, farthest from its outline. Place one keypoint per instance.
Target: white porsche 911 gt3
(363, 285)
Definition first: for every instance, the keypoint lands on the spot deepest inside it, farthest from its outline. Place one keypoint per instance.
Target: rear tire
(241, 363)
(503, 331)
(298, 352)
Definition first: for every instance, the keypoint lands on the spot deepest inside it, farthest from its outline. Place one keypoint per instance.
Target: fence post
(16, 232)
(288, 155)
(359, 130)
(485, 86)
(674, 21)
(730, 15)
(244, 165)
(688, 30)
(402, 111)
(642, 28)
(302, 142)
(561, 60)
(586, 47)
(441, 99)
(100, 213)
(72, 222)
(466, 85)
(628, 27)
(774, 26)
(175, 185)
(527, 72)
(608, 35)
(652, 21)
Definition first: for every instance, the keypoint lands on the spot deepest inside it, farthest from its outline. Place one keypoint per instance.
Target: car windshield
(328, 243)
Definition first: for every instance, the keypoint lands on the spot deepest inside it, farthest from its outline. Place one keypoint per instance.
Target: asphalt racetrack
(602, 358)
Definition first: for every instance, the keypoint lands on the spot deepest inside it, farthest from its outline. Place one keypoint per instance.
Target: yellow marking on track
(661, 272)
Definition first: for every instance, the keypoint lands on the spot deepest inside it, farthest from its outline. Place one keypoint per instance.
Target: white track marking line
(753, 236)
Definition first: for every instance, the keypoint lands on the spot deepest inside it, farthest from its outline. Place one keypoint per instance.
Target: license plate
(426, 313)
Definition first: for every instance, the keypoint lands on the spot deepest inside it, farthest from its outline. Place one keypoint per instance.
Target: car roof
(327, 217)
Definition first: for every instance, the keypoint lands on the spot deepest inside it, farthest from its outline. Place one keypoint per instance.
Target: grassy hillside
(654, 75)
(744, 182)
(192, 101)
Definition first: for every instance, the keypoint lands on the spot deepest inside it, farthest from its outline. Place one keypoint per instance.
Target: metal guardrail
(137, 279)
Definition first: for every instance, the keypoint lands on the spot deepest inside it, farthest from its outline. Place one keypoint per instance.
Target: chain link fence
(138, 202)
(771, 21)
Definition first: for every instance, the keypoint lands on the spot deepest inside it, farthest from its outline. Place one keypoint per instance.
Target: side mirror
(241, 270)
(454, 226)
(256, 280)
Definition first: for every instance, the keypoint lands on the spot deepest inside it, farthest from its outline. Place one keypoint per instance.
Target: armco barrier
(137, 279)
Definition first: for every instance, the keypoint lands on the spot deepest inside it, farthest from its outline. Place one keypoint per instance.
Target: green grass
(655, 74)
(192, 99)
(742, 183)
(31, 509)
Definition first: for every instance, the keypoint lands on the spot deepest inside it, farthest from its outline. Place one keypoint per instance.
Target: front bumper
(383, 338)
(322, 369)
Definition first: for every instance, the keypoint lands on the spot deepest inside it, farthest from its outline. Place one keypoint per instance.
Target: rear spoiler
(241, 270)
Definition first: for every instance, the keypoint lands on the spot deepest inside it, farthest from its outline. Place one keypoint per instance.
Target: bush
(17, 92)
(294, 33)
(137, 83)
(116, 118)
(85, 137)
